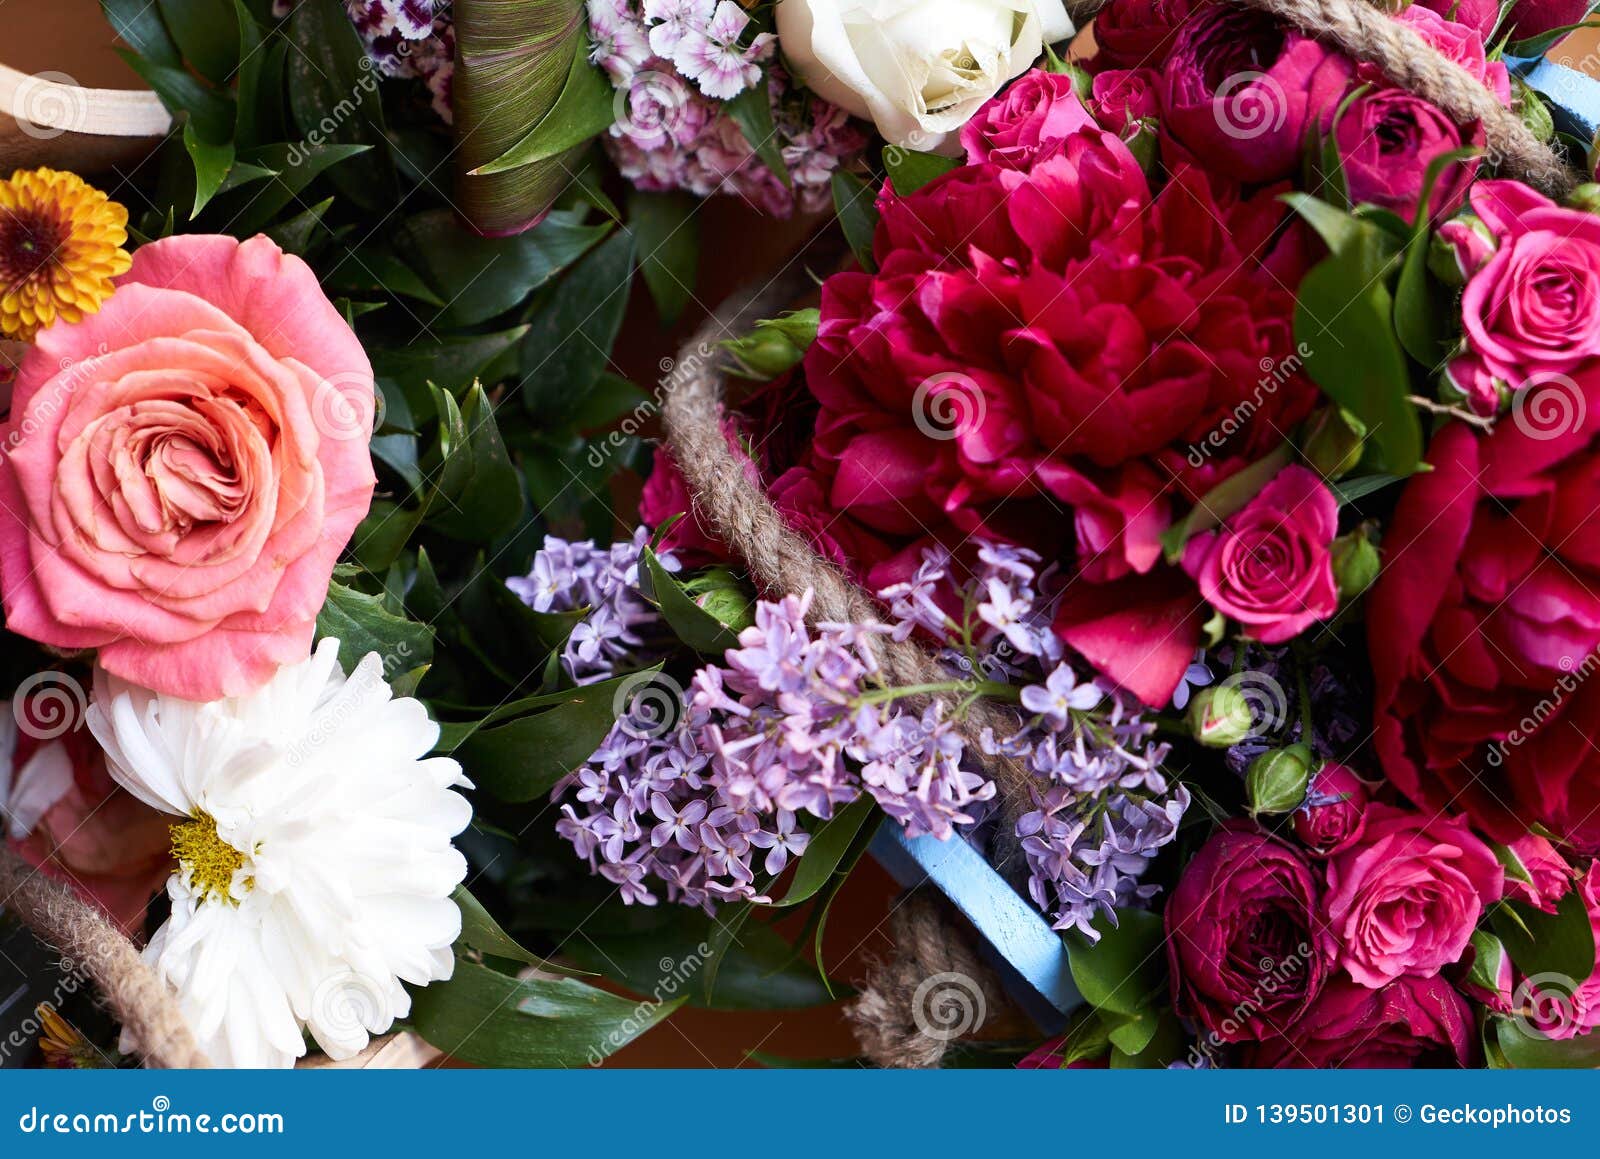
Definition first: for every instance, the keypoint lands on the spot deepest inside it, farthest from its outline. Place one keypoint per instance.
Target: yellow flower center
(210, 861)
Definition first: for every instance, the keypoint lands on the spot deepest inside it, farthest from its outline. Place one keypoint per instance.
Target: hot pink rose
(1121, 98)
(1543, 877)
(1411, 1022)
(1457, 39)
(1387, 138)
(186, 466)
(1268, 566)
(1532, 309)
(1479, 15)
(1404, 901)
(1486, 617)
(1243, 91)
(1555, 1008)
(1335, 811)
(1035, 109)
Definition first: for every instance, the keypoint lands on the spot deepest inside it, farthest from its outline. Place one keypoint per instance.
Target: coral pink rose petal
(185, 468)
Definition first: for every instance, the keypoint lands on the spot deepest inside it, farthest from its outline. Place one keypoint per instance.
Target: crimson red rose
(1243, 91)
(1077, 353)
(1485, 621)
(1405, 899)
(1138, 33)
(1035, 109)
(1335, 811)
(1411, 1022)
(1535, 17)
(1244, 943)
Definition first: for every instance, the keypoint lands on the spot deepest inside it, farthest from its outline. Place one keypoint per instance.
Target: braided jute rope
(727, 500)
(76, 930)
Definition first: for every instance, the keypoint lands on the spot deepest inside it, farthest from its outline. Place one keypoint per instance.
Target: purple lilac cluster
(409, 39)
(674, 62)
(622, 628)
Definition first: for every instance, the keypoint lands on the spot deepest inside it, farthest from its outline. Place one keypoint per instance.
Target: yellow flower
(63, 1047)
(60, 245)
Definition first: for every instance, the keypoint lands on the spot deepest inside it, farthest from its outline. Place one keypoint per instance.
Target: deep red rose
(1138, 33)
(1485, 621)
(1536, 17)
(1243, 91)
(1411, 1022)
(1037, 108)
(1405, 899)
(1335, 811)
(1063, 366)
(1245, 945)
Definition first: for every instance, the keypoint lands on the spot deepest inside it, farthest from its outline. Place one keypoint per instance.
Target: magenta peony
(1411, 1022)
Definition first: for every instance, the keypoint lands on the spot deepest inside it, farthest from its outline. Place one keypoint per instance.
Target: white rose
(918, 69)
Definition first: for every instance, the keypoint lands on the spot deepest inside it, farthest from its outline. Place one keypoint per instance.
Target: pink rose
(1334, 814)
(1479, 15)
(1122, 98)
(1405, 900)
(1545, 878)
(186, 467)
(1411, 1022)
(65, 815)
(1268, 566)
(1387, 138)
(1457, 40)
(1035, 109)
(1243, 90)
(1533, 308)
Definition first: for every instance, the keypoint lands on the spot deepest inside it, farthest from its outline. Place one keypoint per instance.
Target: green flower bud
(1142, 144)
(775, 345)
(1585, 197)
(1220, 717)
(1333, 441)
(1534, 112)
(1355, 563)
(1276, 780)
(721, 594)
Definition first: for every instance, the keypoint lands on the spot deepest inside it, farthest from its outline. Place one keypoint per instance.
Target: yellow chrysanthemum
(60, 245)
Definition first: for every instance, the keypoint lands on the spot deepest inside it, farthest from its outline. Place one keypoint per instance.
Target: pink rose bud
(1334, 813)
(1460, 249)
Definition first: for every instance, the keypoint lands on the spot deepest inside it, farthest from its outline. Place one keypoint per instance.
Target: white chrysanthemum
(315, 866)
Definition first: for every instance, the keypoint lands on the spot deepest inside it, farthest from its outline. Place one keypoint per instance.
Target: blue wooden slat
(1031, 956)
(1574, 96)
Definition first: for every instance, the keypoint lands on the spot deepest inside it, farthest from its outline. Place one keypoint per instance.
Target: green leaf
(690, 622)
(487, 1019)
(480, 277)
(1529, 1051)
(254, 62)
(1223, 500)
(376, 269)
(1344, 320)
(668, 238)
(570, 339)
(1125, 967)
(1348, 491)
(751, 110)
(138, 24)
(211, 165)
(481, 932)
(362, 625)
(525, 758)
(827, 849)
(584, 110)
(857, 212)
(451, 361)
(333, 95)
(480, 489)
(1548, 943)
(1337, 227)
(910, 170)
(183, 93)
(381, 536)
(294, 234)
(207, 33)
(294, 166)
(513, 60)
(1163, 1045)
